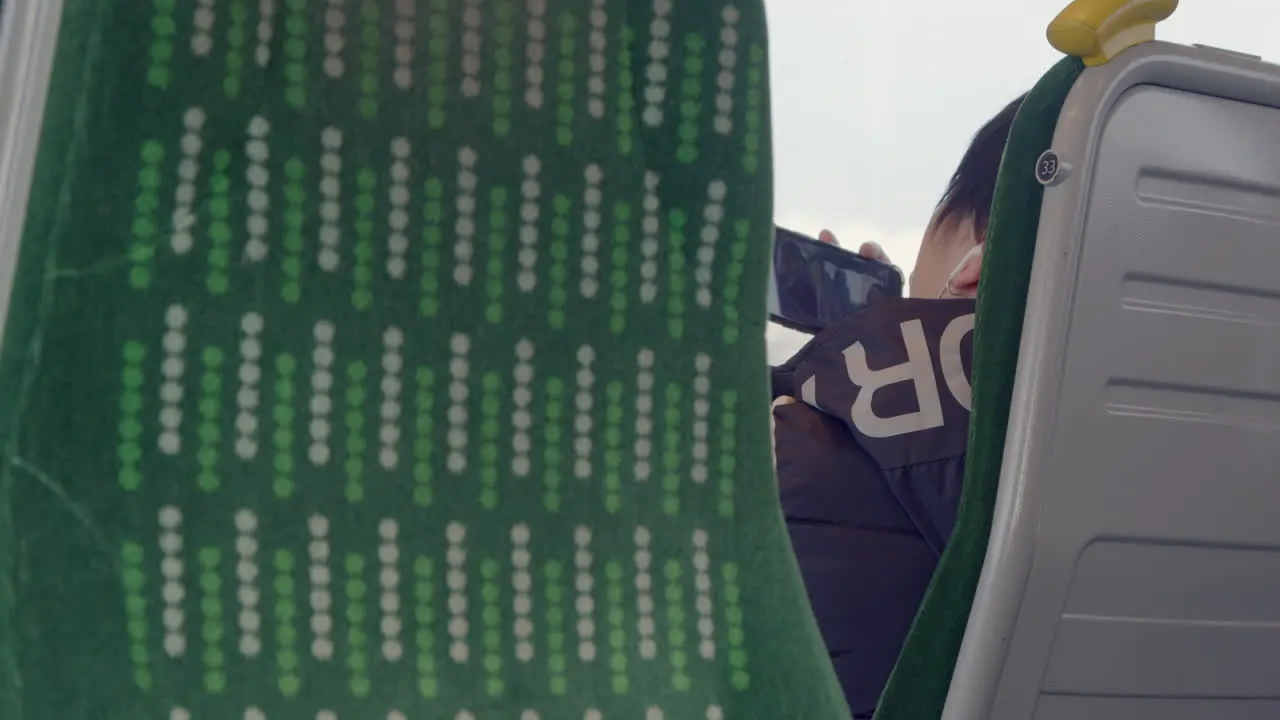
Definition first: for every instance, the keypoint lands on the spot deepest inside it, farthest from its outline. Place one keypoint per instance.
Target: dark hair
(973, 185)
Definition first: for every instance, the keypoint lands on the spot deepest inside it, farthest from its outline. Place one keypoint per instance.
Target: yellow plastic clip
(1098, 30)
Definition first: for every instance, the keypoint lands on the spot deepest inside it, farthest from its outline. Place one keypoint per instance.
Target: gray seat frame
(28, 42)
(1134, 564)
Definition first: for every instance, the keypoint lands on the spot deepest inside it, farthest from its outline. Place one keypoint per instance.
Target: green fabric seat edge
(20, 331)
(917, 689)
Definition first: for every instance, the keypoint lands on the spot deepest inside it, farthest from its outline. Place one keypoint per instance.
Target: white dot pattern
(530, 190)
(471, 42)
(522, 600)
(645, 627)
(266, 29)
(522, 417)
(584, 583)
(389, 579)
(712, 215)
(392, 385)
(725, 80)
(248, 396)
(321, 593)
(247, 594)
(644, 415)
(184, 218)
(246, 429)
(535, 51)
(202, 28)
(456, 557)
(172, 367)
(655, 91)
(321, 393)
(257, 224)
(173, 591)
(701, 416)
(583, 423)
(653, 712)
(598, 43)
(398, 218)
(591, 199)
(702, 583)
(330, 194)
(649, 243)
(465, 227)
(459, 370)
(402, 75)
(334, 40)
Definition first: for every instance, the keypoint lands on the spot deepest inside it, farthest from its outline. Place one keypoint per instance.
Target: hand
(869, 250)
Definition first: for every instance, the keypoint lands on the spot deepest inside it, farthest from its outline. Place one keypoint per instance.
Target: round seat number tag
(1048, 167)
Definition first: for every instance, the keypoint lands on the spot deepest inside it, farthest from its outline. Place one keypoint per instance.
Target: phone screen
(815, 284)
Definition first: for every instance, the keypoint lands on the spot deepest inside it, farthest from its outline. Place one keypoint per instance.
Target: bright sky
(874, 101)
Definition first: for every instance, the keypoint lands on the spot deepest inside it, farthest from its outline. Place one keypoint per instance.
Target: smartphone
(814, 284)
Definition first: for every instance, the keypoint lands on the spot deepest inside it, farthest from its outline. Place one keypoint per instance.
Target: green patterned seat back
(398, 359)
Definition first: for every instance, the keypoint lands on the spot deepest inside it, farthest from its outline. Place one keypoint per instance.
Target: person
(870, 430)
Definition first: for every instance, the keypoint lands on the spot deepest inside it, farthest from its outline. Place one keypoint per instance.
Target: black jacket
(870, 464)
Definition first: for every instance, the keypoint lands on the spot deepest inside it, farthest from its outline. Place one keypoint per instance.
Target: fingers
(869, 250)
(873, 251)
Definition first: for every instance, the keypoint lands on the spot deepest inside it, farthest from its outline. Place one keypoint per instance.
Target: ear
(964, 279)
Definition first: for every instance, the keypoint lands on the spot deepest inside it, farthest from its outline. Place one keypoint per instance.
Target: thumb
(827, 236)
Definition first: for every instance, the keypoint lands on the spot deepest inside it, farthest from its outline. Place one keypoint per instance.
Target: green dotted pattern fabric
(398, 359)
